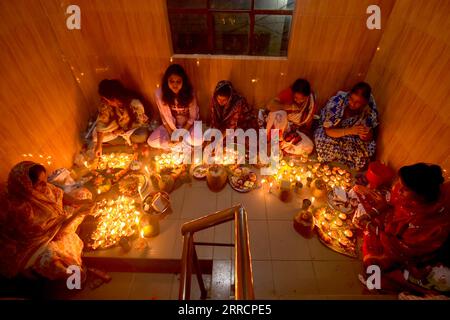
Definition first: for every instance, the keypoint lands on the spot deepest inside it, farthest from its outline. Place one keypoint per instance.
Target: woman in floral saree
(37, 232)
(345, 133)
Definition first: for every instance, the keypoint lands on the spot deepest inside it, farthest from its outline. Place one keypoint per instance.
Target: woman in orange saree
(37, 232)
(417, 223)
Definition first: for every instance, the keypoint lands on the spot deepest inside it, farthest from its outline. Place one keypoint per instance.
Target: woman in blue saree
(346, 130)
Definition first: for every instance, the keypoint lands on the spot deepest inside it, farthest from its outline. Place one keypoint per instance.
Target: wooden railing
(243, 282)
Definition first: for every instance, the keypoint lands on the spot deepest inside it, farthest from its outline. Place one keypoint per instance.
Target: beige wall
(411, 79)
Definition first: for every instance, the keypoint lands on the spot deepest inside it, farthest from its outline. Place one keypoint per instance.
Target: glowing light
(116, 219)
(115, 161)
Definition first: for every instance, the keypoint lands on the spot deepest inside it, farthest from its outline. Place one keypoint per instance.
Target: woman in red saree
(37, 233)
(417, 223)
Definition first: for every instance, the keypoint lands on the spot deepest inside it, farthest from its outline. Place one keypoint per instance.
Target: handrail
(209, 221)
(242, 261)
(243, 271)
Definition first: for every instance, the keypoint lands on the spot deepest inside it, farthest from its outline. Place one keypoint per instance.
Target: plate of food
(336, 230)
(200, 171)
(242, 179)
(132, 184)
(340, 200)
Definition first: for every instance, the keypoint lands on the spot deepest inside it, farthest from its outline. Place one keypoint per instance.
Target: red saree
(409, 232)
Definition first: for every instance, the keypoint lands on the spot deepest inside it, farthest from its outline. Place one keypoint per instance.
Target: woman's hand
(98, 150)
(357, 130)
(366, 135)
(118, 131)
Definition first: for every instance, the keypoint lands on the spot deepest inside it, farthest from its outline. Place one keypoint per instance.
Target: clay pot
(304, 223)
(166, 183)
(216, 178)
(318, 188)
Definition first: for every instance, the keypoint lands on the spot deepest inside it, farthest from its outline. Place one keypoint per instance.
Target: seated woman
(121, 117)
(177, 107)
(417, 222)
(292, 112)
(37, 233)
(230, 110)
(345, 133)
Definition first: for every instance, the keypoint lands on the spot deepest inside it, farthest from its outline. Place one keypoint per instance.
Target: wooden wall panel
(42, 108)
(130, 40)
(410, 76)
(330, 45)
(122, 39)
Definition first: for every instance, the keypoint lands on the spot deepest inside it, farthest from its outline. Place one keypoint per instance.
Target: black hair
(112, 89)
(301, 86)
(224, 91)
(424, 179)
(34, 172)
(185, 95)
(362, 89)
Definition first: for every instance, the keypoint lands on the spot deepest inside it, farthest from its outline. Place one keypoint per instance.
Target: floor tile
(161, 246)
(294, 279)
(259, 240)
(318, 251)
(286, 243)
(224, 198)
(338, 277)
(203, 252)
(253, 202)
(176, 202)
(198, 202)
(151, 286)
(195, 289)
(279, 210)
(263, 280)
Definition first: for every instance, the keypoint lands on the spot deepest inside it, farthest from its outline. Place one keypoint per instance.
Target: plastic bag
(302, 146)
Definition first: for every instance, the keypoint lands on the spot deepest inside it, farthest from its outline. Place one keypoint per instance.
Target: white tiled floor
(285, 265)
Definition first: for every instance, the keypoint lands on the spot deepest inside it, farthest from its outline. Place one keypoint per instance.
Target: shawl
(28, 220)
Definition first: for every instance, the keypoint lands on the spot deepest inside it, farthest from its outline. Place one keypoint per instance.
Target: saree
(409, 232)
(301, 116)
(35, 233)
(235, 114)
(128, 118)
(349, 150)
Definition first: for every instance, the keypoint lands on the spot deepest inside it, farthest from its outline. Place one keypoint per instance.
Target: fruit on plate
(243, 179)
(105, 186)
(130, 185)
(200, 171)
